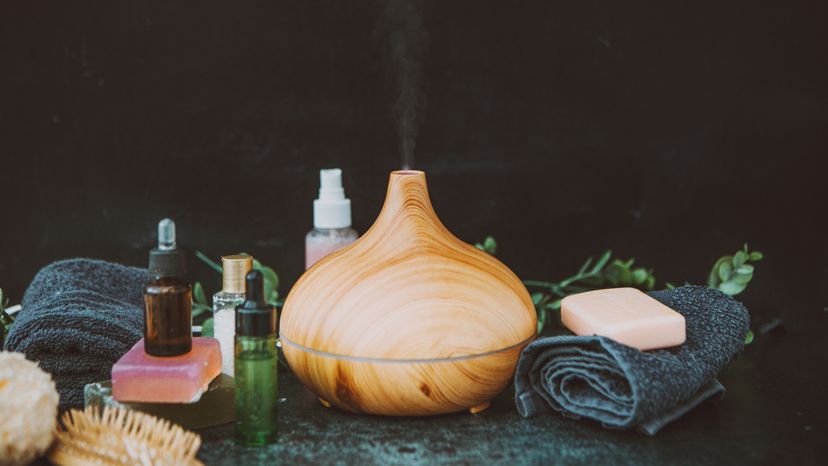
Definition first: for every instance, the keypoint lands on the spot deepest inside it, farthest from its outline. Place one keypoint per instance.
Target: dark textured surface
(79, 317)
(597, 378)
(768, 416)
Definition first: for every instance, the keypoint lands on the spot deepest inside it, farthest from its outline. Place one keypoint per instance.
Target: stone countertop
(774, 411)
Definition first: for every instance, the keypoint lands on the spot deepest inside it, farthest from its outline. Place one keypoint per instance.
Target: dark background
(668, 133)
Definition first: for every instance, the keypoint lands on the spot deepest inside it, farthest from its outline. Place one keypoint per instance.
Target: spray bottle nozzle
(330, 184)
(332, 209)
(166, 234)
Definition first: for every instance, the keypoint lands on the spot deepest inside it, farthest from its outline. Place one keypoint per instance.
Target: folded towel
(78, 317)
(621, 387)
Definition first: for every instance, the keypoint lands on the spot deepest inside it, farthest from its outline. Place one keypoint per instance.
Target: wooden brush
(121, 437)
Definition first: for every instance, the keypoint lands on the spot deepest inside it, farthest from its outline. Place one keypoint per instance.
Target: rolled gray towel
(78, 317)
(621, 387)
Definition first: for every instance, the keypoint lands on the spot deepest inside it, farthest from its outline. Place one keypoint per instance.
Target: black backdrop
(669, 133)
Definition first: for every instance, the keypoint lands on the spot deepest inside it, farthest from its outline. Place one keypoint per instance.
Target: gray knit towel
(621, 387)
(78, 317)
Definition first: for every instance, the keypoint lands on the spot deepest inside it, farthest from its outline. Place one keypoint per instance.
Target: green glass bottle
(255, 366)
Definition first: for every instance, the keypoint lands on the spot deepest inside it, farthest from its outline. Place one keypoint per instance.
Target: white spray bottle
(331, 219)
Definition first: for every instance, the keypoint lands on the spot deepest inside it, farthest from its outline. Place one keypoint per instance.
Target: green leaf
(490, 245)
(650, 283)
(198, 294)
(613, 273)
(739, 258)
(602, 261)
(585, 266)
(741, 278)
(618, 273)
(731, 288)
(536, 298)
(749, 337)
(713, 278)
(207, 328)
(731, 275)
(555, 305)
(639, 276)
(669, 286)
(725, 270)
(745, 269)
(199, 309)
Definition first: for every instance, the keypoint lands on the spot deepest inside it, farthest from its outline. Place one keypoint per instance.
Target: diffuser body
(408, 320)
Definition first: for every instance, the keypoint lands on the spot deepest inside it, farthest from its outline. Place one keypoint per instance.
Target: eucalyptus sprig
(730, 275)
(201, 304)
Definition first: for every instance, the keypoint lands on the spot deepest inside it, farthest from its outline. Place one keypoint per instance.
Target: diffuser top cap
(332, 209)
(408, 290)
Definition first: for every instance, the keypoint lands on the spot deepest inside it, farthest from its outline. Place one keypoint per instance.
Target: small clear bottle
(234, 270)
(331, 219)
(256, 390)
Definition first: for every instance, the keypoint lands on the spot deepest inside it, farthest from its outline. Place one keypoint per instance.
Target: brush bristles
(122, 437)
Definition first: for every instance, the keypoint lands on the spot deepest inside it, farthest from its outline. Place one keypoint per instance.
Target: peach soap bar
(139, 377)
(625, 315)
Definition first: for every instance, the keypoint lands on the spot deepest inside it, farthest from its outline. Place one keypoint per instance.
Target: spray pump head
(332, 209)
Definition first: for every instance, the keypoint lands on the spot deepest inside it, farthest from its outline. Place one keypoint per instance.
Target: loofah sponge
(28, 403)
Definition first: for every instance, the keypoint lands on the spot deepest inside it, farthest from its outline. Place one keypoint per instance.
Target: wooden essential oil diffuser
(407, 320)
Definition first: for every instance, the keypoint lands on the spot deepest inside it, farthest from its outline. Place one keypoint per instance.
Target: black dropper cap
(254, 317)
(167, 260)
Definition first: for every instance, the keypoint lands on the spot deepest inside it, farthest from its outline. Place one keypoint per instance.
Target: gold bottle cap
(234, 269)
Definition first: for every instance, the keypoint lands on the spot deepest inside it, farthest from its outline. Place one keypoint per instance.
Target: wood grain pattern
(408, 320)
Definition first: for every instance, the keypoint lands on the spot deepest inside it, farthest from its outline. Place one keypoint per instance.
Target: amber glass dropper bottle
(168, 328)
(255, 366)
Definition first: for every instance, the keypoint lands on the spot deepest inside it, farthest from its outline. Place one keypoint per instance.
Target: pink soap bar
(139, 377)
(626, 315)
